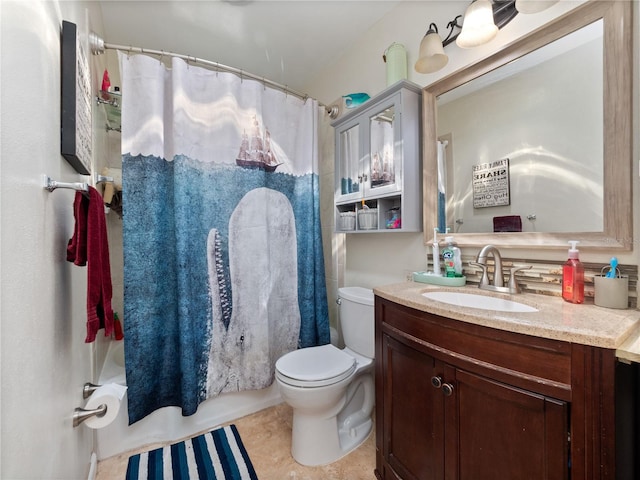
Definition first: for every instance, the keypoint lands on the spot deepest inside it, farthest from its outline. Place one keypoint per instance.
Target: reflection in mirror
(382, 161)
(524, 142)
(543, 154)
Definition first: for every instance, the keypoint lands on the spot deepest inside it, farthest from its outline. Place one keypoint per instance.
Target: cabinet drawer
(534, 363)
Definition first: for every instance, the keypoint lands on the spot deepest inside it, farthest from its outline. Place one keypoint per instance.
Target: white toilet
(330, 390)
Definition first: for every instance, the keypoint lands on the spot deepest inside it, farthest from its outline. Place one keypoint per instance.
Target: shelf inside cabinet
(378, 215)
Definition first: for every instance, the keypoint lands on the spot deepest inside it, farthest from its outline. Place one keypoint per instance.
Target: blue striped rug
(217, 455)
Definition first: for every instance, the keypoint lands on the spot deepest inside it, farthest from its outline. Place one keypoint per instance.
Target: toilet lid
(313, 364)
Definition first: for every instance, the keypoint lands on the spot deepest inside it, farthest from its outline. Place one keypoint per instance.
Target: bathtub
(167, 424)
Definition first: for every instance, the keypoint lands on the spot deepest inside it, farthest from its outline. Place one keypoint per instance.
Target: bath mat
(217, 455)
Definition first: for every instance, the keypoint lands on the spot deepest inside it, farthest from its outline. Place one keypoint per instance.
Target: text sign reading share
(491, 184)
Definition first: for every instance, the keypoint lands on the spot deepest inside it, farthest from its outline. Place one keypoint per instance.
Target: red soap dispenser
(573, 276)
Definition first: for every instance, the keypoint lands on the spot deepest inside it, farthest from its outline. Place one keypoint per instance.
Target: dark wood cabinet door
(413, 413)
(504, 432)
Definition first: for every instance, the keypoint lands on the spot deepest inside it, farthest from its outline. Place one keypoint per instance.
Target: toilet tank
(357, 319)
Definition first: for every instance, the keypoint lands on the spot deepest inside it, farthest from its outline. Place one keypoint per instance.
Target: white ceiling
(284, 41)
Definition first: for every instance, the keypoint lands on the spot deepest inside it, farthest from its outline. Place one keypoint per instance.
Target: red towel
(89, 246)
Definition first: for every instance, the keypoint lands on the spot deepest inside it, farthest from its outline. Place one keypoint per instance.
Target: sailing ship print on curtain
(223, 265)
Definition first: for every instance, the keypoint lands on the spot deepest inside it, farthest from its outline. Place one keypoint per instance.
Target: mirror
(532, 126)
(541, 155)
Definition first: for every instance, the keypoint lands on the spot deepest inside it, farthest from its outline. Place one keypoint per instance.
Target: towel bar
(51, 185)
(102, 179)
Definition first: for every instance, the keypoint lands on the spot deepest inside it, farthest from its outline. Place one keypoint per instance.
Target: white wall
(44, 360)
(374, 259)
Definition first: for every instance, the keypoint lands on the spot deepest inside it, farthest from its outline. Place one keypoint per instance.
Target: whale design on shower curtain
(265, 318)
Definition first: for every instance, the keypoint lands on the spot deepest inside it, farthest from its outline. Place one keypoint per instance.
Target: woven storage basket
(347, 221)
(368, 219)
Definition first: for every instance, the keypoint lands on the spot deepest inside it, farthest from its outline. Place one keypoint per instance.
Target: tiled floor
(267, 437)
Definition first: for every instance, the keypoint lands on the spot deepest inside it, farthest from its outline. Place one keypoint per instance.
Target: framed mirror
(532, 146)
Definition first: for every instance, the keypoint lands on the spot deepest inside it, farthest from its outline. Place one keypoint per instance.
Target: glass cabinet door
(385, 155)
(350, 164)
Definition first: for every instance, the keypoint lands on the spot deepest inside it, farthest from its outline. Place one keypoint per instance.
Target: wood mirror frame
(617, 110)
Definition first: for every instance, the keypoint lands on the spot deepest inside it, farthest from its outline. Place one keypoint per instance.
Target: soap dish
(429, 277)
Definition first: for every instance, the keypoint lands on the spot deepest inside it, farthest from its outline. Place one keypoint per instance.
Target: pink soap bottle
(573, 277)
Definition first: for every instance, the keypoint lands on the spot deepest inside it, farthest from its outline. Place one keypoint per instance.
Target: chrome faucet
(498, 278)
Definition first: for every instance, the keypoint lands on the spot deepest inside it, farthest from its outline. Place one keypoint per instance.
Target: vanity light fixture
(482, 20)
(478, 26)
(432, 57)
(533, 6)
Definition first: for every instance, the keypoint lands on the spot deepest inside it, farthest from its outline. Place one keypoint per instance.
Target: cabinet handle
(447, 389)
(436, 381)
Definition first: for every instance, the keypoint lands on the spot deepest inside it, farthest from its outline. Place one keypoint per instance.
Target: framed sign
(491, 184)
(76, 121)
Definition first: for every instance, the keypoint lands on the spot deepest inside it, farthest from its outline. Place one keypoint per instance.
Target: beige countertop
(555, 319)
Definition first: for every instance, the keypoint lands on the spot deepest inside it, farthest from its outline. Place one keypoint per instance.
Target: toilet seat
(315, 366)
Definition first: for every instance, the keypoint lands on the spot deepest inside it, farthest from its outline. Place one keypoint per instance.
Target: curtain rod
(98, 46)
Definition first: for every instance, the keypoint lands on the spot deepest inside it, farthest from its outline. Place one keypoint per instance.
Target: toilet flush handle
(339, 301)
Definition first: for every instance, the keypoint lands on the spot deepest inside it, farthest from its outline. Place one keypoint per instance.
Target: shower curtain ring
(161, 56)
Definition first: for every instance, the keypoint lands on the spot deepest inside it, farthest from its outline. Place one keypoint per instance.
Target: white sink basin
(483, 302)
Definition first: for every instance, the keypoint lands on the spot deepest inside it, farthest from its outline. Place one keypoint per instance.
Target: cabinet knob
(447, 389)
(436, 381)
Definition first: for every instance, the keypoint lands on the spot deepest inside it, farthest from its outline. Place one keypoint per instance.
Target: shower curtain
(223, 266)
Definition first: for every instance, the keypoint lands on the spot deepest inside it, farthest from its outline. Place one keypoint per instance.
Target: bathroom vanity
(473, 394)
(468, 393)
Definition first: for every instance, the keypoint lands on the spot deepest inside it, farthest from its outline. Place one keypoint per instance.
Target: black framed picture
(76, 127)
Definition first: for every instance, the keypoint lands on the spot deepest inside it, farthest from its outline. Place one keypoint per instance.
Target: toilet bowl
(331, 390)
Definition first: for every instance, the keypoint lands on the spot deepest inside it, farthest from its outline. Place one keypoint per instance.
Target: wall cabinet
(378, 163)
(461, 401)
